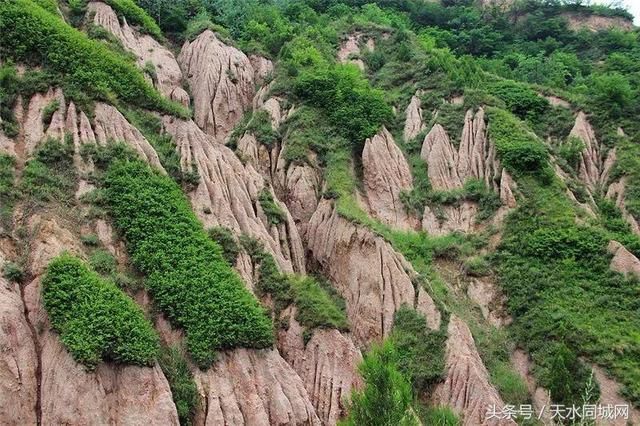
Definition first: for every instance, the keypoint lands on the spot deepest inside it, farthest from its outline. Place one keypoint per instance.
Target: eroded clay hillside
(309, 214)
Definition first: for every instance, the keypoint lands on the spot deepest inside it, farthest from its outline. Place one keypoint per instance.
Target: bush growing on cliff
(224, 237)
(37, 37)
(274, 213)
(519, 149)
(520, 99)
(183, 388)
(317, 304)
(347, 99)
(420, 350)
(317, 308)
(187, 275)
(96, 321)
(50, 174)
(386, 397)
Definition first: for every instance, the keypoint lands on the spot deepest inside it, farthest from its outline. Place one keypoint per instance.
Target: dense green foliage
(387, 396)
(183, 388)
(32, 35)
(347, 99)
(565, 301)
(186, 272)
(520, 99)
(519, 149)
(420, 351)
(96, 321)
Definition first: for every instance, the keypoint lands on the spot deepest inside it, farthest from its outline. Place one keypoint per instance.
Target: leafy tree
(386, 398)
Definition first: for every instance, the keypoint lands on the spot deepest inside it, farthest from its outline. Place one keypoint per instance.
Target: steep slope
(223, 81)
(449, 169)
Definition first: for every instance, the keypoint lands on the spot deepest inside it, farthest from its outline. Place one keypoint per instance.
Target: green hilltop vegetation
(569, 309)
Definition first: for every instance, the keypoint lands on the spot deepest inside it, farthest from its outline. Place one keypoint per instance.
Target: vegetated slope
(33, 35)
(491, 234)
(94, 319)
(187, 275)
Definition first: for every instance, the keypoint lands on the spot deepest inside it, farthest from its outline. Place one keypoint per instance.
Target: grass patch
(13, 272)
(8, 191)
(316, 307)
(103, 262)
(317, 304)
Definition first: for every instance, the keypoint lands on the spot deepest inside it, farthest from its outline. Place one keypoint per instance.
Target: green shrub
(8, 191)
(48, 111)
(96, 321)
(520, 99)
(273, 283)
(50, 174)
(186, 272)
(477, 266)
(224, 237)
(316, 307)
(90, 240)
(563, 374)
(274, 213)
(260, 126)
(570, 152)
(13, 272)
(351, 105)
(386, 397)
(183, 388)
(439, 416)
(202, 22)
(35, 36)
(103, 262)
(519, 150)
(420, 350)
